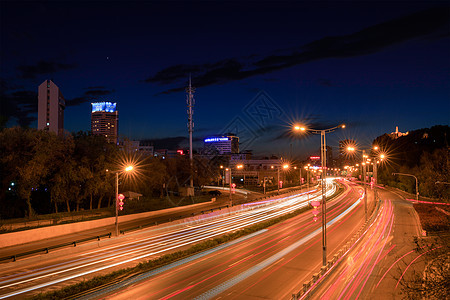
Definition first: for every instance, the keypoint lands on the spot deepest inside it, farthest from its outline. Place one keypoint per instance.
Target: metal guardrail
(172, 219)
(47, 249)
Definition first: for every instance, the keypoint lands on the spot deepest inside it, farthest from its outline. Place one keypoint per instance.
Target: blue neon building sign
(104, 106)
(216, 139)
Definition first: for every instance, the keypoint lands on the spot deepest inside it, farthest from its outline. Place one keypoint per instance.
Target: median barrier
(337, 258)
(47, 249)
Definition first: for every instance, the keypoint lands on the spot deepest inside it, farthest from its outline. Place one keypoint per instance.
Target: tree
(155, 176)
(29, 156)
(435, 167)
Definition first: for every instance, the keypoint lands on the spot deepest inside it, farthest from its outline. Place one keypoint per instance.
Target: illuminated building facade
(105, 120)
(51, 106)
(222, 144)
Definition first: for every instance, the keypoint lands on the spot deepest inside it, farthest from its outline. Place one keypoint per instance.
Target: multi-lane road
(270, 264)
(376, 266)
(27, 277)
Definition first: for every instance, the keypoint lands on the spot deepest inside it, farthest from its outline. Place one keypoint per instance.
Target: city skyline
(372, 66)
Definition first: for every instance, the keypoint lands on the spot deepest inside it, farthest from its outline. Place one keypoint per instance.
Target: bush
(432, 218)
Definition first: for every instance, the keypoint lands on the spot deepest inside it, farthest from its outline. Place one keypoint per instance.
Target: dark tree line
(44, 173)
(423, 153)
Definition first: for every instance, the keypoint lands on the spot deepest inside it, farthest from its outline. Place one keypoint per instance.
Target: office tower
(51, 106)
(105, 120)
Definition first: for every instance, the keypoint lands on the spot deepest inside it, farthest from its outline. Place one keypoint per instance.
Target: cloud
(43, 67)
(19, 105)
(432, 22)
(91, 94)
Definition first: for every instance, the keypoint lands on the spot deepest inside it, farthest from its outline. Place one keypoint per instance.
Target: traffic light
(121, 203)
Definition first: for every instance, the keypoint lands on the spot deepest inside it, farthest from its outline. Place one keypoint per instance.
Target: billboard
(104, 106)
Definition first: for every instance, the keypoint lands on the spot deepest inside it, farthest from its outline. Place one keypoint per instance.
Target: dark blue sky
(257, 66)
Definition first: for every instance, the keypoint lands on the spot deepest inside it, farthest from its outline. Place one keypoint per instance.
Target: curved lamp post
(231, 183)
(417, 183)
(364, 171)
(127, 169)
(323, 155)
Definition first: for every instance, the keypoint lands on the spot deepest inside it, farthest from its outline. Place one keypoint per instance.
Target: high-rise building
(51, 106)
(105, 120)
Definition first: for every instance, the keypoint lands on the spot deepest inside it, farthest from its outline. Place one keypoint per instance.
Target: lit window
(48, 123)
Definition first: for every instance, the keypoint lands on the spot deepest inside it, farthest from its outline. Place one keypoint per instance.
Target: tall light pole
(364, 172)
(285, 166)
(127, 169)
(300, 177)
(231, 183)
(323, 154)
(190, 104)
(417, 183)
(231, 197)
(307, 181)
(364, 163)
(223, 177)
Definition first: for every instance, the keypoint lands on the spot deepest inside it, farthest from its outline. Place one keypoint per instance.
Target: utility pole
(190, 104)
(324, 203)
(364, 163)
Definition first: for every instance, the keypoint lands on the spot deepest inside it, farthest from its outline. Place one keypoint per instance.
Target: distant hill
(407, 149)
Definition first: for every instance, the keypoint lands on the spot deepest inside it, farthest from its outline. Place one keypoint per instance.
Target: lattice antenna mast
(190, 111)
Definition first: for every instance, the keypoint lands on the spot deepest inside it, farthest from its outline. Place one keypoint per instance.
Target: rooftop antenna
(190, 104)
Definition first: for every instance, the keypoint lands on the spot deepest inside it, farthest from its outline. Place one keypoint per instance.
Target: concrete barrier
(37, 234)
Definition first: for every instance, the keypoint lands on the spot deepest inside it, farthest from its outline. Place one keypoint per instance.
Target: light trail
(176, 236)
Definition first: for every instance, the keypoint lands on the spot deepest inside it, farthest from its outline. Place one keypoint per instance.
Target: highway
(376, 265)
(24, 278)
(269, 265)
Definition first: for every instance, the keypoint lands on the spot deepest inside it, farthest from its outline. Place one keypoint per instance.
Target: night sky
(257, 66)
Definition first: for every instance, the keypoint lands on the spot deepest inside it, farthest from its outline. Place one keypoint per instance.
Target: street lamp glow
(129, 168)
(285, 166)
(299, 128)
(239, 166)
(349, 148)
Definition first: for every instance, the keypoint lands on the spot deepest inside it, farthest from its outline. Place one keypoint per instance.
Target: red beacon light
(315, 203)
(121, 203)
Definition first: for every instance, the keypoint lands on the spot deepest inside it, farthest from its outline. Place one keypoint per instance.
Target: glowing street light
(231, 183)
(323, 155)
(127, 169)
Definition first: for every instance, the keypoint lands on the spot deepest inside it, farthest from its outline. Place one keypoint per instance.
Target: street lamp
(127, 169)
(285, 166)
(364, 164)
(231, 183)
(223, 176)
(417, 183)
(307, 180)
(323, 154)
(299, 177)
